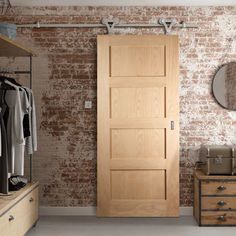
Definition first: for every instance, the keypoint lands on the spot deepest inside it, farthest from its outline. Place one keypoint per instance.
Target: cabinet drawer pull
(221, 188)
(221, 203)
(11, 218)
(222, 218)
(31, 199)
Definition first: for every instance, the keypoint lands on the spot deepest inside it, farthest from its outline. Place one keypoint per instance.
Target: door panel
(137, 184)
(146, 143)
(137, 102)
(138, 148)
(128, 60)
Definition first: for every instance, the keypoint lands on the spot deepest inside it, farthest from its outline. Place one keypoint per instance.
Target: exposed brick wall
(65, 76)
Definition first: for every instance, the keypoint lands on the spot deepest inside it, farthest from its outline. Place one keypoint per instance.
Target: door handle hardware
(221, 188)
(222, 218)
(11, 218)
(172, 125)
(221, 203)
(31, 199)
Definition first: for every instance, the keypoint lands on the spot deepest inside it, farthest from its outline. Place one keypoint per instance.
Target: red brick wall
(65, 76)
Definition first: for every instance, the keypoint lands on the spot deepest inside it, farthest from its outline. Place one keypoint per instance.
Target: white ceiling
(123, 2)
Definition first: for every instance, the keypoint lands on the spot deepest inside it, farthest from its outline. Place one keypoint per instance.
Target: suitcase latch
(218, 160)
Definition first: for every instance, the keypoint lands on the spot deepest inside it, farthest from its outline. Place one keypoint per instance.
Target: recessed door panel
(138, 115)
(137, 184)
(137, 102)
(146, 143)
(128, 60)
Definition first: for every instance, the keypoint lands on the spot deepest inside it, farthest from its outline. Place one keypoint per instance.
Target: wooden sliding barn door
(138, 116)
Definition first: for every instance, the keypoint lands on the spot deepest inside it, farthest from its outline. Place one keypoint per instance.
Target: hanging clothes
(4, 144)
(4, 186)
(20, 147)
(18, 132)
(3, 157)
(31, 144)
(26, 121)
(14, 127)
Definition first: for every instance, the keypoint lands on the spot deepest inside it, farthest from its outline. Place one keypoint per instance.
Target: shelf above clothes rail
(10, 48)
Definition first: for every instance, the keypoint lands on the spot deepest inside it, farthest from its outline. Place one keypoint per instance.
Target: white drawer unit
(19, 212)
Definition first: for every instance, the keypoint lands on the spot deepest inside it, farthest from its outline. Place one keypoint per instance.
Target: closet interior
(18, 196)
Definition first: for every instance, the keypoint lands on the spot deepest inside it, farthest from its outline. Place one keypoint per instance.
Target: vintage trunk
(218, 159)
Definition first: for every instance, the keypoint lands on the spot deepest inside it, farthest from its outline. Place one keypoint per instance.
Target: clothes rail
(15, 72)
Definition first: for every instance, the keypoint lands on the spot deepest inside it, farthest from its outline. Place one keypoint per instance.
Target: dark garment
(26, 120)
(26, 125)
(5, 113)
(3, 158)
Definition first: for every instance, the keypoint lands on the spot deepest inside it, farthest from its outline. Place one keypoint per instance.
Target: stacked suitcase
(218, 160)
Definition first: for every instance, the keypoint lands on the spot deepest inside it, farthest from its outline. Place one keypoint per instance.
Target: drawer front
(219, 188)
(218, 203)
(218, 218)
(29, 211)
(19, 219)
(9, 223)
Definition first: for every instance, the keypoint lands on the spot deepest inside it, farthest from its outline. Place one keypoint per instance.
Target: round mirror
(224, 86)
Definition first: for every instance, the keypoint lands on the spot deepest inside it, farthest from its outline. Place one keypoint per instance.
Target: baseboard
(186, 211)
(89, 211)
(67, 211)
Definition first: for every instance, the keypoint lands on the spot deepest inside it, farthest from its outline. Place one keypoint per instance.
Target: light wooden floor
(92, 226)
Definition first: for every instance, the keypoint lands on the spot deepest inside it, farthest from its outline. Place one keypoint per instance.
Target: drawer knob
(221, 218)
(221, 188)
(11, 218)
(31, 199)
(221, 203)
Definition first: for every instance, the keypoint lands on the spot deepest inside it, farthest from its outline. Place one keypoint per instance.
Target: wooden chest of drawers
(214, 200)
(19, 212)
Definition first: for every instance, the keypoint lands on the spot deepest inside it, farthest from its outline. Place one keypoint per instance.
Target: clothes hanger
(5, 86)
(5, 74)
(12, 80)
